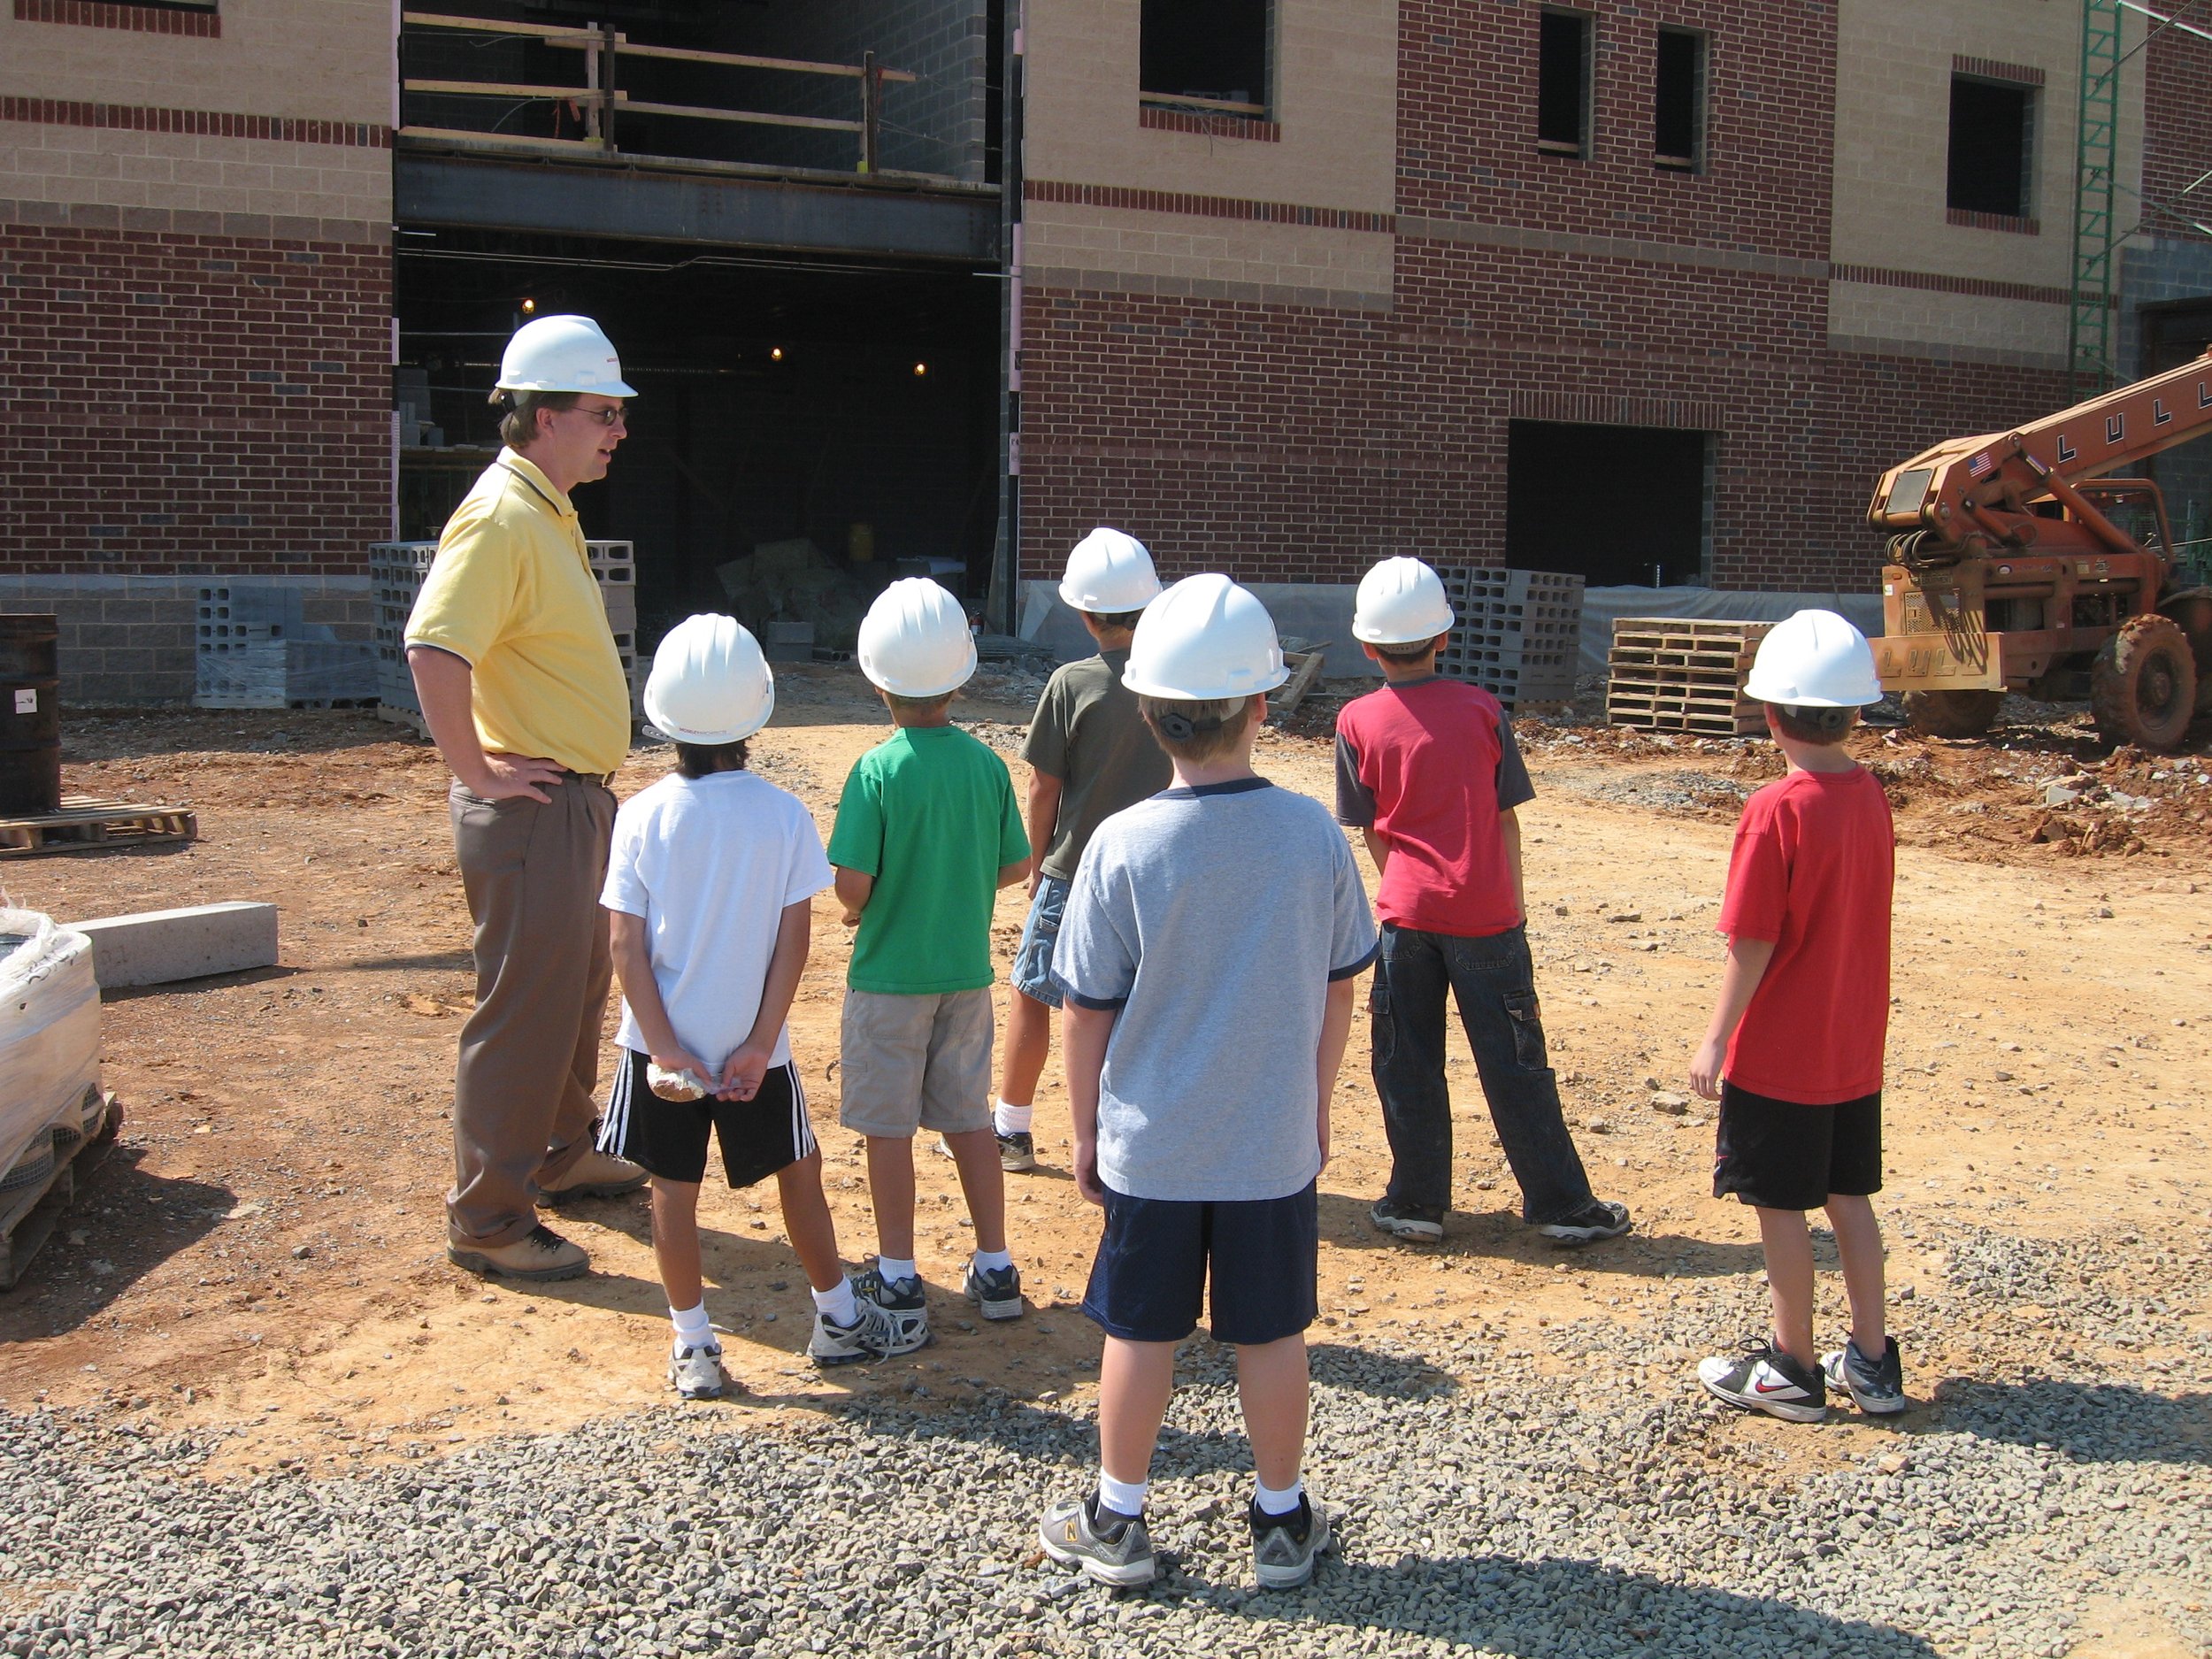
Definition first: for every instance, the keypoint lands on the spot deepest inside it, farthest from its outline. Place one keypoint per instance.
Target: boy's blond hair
(1196, 729)
(900, 704)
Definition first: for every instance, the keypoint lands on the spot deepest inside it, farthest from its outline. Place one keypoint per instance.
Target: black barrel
(30, 716)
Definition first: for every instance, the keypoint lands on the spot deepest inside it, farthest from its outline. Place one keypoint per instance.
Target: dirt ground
(264, 1251)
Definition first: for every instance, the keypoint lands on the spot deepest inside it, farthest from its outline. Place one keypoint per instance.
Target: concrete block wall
(129, 640)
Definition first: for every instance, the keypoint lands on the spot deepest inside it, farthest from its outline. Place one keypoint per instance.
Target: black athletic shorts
(1780, 1155)
(668, 1137)
(1157, 1256)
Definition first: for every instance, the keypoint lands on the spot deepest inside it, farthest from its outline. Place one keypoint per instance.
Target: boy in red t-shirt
(1427, 771)
(1794, 1050)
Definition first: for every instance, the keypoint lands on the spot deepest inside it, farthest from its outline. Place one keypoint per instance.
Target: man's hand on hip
(506, 776)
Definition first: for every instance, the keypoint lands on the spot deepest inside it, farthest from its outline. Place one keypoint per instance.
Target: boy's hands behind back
(743, 1072)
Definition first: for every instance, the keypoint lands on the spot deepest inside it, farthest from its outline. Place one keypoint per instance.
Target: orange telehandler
(2016, 563)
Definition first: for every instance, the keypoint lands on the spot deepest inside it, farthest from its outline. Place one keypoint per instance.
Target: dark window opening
(1677, 119)
(1646, 526)
(1993, 131)
(1563, 82)
(1206, 53)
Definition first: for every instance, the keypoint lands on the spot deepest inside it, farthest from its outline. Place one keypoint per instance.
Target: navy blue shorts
(1150, 1278)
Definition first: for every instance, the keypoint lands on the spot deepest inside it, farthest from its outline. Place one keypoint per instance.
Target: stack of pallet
(1683, 674)
(396, 572)
(1518, 633)
(254, 651)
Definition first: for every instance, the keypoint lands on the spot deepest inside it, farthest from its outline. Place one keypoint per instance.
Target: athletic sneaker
(1283, 1545)
(696, 1373)
(905, 1311)
(996, 1291)
(868, 1337)
(1117, 1552)
(1597, 1219)
(1416, 1223)
(1875, 1386)
(1764, 1378)
(1016, 1152)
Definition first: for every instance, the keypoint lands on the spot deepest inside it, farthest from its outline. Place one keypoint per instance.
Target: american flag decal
(1981, 466)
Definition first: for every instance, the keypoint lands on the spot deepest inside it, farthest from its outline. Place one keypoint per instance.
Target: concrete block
(157, 947)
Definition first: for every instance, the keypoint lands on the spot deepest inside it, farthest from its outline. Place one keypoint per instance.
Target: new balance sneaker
(1283, 1545)
(1016, 1152)
(696, 1373)
(1764, 1378)
(1597, 1219)
(905, 1311)
(1875, 1386)
(868, 1337)
(995, 1291)
(1113, 1549)
(1416, 1223)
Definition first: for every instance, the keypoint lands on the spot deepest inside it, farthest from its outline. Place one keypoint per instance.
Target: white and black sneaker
(868, 1337)
(1283, 1545)
(1764, 1378)
(1110, 1549)
(904, 1309)
(995, 1291)
(1600, 1219)
(1017, 1151)
(1417, 1224)
(1876, 1387)
(696, 1373)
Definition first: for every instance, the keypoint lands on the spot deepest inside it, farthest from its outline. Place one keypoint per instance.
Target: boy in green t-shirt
(926, 833)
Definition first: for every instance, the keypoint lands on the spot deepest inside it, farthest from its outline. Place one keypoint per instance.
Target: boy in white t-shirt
(710, 890)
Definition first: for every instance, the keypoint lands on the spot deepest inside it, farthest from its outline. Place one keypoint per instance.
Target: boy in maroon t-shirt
(1427, 770)
(1794, 1050)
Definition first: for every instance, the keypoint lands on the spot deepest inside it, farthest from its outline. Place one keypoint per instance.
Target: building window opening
(1207, 55)
(1992, 134)
(1677, 122)
(1554, 521)
(1563, 82)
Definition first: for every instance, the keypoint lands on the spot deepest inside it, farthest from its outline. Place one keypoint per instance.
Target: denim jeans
(1493, 981)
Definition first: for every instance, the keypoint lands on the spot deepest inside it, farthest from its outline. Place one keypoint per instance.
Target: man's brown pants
(523, 1093)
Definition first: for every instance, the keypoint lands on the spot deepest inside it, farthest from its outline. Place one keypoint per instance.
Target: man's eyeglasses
(605, 417)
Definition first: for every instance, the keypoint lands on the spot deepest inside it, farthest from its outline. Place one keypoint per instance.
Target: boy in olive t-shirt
(926, 833)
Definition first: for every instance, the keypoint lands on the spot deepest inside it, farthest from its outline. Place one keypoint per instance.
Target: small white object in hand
(673, 1085)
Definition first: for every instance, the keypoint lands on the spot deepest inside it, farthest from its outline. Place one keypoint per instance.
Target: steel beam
(489, 192)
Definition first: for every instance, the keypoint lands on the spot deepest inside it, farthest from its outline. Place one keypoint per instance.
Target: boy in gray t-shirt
(1207, 959)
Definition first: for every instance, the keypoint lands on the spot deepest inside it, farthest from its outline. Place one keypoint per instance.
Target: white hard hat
(1110, 572)
(710, 683)
(1815, 660)
(1204, 638)
(1401, 603)
(562, 354)
(914, 641)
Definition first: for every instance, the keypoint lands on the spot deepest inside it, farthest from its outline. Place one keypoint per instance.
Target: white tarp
(50, 1028)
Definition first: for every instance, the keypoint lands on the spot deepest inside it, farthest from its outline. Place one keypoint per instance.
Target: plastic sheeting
(1601, 606)
(49, 1029)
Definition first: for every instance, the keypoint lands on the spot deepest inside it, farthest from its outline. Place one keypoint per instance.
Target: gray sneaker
(1876, 1387)
(1600, 1219)
(1119, 1554)
(1283, 1545)
(904, 1309)
(868, 1337)
(696, 1373)
(1016, 1152)
(996, 1291)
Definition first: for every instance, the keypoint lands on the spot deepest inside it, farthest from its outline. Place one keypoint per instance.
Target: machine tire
(1951, 713)
(2143, 685)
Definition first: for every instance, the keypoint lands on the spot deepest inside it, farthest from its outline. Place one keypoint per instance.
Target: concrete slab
(157, 947)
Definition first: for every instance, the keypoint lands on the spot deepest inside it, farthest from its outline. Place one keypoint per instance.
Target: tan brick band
(1477, 233)
(201, 123)
(204, 24)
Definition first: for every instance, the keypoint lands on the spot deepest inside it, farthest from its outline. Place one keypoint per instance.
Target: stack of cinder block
(254, 650)
(1518, 633)
(1683, 674)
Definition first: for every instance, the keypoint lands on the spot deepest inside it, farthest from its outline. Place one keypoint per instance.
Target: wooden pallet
(28, 1217)
(93, 821)
(1683, 674)
(1305, 674)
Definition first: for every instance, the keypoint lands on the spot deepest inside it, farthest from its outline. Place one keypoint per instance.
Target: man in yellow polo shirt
(525, 696)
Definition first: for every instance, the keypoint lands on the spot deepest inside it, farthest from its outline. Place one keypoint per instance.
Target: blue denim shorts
(1150, 1277)
(1033, 958)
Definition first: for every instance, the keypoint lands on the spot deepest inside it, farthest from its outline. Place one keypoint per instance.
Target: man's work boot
(595, 1175)
(539, 1256)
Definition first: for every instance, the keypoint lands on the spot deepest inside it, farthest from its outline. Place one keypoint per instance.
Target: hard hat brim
(620, 388)
(1183, 694)
(676, 733)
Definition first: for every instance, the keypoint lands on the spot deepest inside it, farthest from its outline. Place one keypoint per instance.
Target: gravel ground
(1580, 1501)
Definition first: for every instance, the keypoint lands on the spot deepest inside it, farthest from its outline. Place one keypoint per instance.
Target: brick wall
(183, 400)
(2176, 137)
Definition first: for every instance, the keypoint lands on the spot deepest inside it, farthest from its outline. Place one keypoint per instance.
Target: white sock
(1274, 1503)
(692, 1329)
(894, 1269)
(1122, 1497)
(836, 1302)
(993, 1261)
(1012, 1120)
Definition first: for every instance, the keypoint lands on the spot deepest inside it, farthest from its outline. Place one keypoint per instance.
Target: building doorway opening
(1618, 505)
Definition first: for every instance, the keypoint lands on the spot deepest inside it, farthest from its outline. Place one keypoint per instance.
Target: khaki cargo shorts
(915, 1062)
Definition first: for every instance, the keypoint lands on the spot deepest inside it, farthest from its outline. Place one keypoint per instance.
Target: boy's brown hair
(1804, 724)
(917, 705)
(703, 760)
(1196, 729)
(1408, 654)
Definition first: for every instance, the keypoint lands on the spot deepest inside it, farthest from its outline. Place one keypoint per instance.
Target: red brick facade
(188, 402)
(2176, 135)
(1294, 444)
